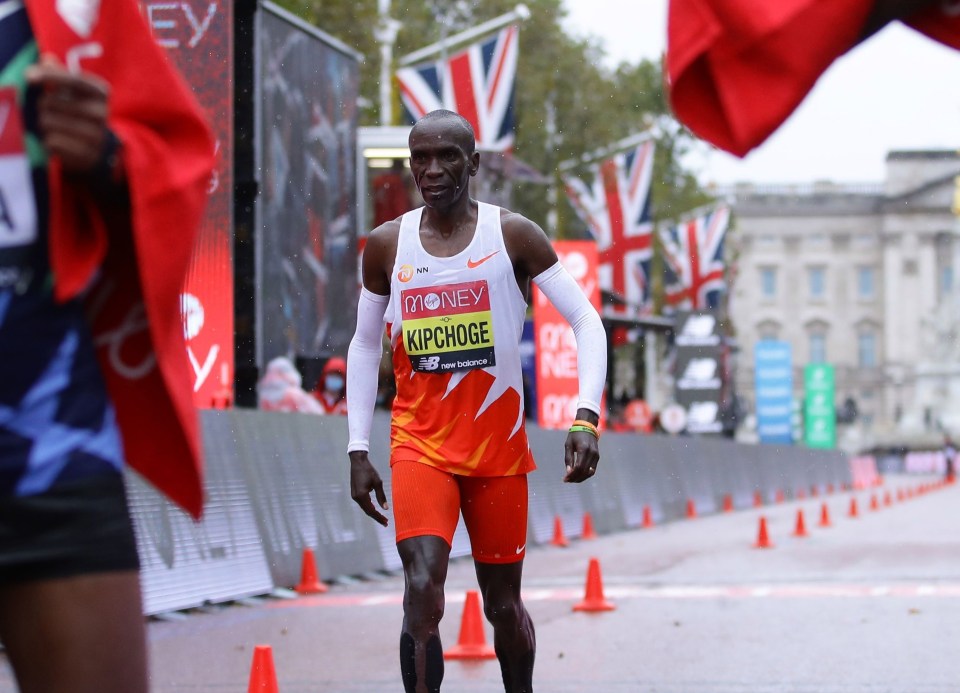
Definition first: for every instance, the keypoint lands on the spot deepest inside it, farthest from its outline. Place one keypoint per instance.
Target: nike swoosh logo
(520, 548)
(471, 264)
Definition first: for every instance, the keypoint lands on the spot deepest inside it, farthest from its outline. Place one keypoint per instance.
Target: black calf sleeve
(434, 664)
(433, 657)
(408, 663)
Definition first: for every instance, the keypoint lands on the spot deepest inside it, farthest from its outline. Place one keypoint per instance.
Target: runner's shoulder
(519, 231)
(384, 237)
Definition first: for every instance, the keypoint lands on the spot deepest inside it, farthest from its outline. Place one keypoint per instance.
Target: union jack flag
(693, 261)
(616, 208)
(478, 83)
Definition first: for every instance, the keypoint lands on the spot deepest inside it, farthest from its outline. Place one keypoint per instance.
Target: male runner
(104, 165)
(451, 280)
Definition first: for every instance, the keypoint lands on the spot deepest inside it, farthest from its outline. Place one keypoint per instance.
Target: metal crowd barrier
(279, 482)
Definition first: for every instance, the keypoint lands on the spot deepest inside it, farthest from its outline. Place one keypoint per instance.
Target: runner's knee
(502, 609)
(425, 601)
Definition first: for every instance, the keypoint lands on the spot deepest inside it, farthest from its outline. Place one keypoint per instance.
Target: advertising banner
(557, 386)
(820, 416)
(699, 372)
(198, 37)
(308, 90)
(773, 383)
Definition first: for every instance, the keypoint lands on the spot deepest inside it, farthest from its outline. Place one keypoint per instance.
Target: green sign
(819, 411)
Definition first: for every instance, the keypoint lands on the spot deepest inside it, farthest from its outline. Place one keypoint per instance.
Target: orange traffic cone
(814, 491)
(559, 538)
(728, 503)
(853, 508)
(801, 494)
(874, 503)
(757, 499)
(824, 516)
(593, 600)
(309, 582)
(647, 517)
(887, 500)
(263, 677)
(779, 497)
(830, 489)
(691, 509)
(472, 643)
(588, 531)
(763, 539)
(900, 496)
(801, 528)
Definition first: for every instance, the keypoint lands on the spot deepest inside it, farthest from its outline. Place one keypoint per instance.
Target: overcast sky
(899, 90)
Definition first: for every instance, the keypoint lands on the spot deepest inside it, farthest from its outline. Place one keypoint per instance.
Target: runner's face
(440, 164)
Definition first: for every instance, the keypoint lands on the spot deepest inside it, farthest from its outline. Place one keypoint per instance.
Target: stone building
(860, 276)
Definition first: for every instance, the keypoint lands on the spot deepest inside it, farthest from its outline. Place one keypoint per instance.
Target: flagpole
(386, 33)
(518, 14)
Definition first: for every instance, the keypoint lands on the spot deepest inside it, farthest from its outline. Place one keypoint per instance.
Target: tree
(592, 105)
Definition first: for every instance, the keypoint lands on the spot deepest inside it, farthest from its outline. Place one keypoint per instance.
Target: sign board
(198, 38)
(699, 372)
(557, 385)
(773, 384)
(820, 417)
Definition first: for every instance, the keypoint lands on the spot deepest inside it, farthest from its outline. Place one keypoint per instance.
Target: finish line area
(868, 604)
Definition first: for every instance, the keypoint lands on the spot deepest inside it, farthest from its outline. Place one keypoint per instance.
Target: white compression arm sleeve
(565, 294)
(363, 368)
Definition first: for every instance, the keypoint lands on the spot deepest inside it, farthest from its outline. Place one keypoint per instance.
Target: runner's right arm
(363, 365)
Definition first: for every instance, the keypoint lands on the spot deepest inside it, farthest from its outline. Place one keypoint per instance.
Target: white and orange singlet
(455, 325)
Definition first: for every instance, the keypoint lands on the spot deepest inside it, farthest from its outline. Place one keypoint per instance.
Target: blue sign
(773, 383)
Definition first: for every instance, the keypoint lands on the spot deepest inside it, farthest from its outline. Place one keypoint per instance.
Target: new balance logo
(700, 374)
(429, 363)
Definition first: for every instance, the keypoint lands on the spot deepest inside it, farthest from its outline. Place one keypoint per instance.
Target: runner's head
(443, 157)
(452, 123)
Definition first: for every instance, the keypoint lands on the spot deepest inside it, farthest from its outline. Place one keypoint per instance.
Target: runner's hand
(581, 456)
(363, 480)
(72, 114)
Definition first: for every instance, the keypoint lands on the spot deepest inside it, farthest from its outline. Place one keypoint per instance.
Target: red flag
(736, 69)
(135, 306)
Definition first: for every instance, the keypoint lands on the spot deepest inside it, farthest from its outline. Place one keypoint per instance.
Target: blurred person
(391, 197)
(452, 280)
(281, 389)
(104, 169)
(950, 457)
(331, 389)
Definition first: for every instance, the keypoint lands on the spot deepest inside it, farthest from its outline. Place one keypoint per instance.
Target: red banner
(198, 37)
(556, 348)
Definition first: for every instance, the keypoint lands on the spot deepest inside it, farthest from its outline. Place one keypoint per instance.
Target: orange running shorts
(428, 501)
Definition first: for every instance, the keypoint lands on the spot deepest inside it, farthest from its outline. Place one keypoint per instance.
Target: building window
(768, 282)
(867, 349)
(865, 282)
(817, 282)
(768, 330)
(818, 347)
(946, 280)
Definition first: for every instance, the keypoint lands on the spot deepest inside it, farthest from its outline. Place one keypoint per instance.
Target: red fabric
(940, 22)
(737, 68)
(168, 157)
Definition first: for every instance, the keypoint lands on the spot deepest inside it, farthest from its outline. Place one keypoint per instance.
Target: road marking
(771, 591)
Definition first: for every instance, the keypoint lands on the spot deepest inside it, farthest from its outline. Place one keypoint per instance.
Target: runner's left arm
(535, 257)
